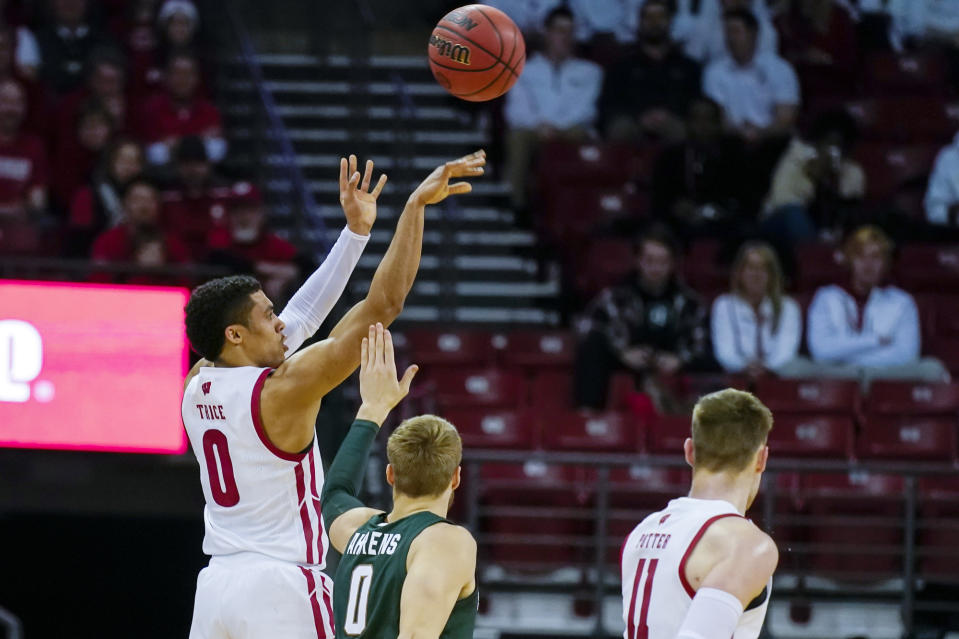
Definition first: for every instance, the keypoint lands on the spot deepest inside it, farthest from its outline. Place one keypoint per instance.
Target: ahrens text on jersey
(373, 543)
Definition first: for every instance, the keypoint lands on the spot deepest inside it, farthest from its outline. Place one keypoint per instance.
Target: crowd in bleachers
(110, 145)
(786, 166)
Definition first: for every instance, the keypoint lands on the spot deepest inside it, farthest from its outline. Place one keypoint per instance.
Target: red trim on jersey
(258, 422)
(318, 622)
(304, 513)
(689, 550)
(630, 624)
(327, 601)
(315, 498)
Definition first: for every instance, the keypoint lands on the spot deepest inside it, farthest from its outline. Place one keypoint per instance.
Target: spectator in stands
(648, 93)
(196, 202)
(141, 217)
(816, 184)
(23, 161)
(756, 329)
(942, 194)
(529, 15)
(66, 43)
(866, 330)
(555, 98)
(178, 21)
(651, 325)
(180, 111)
(818, 34)
(10, 70)
(98, 206)
(76, 158)
(247, 239)
(605, 19)
(758, 90)
(703, 185)
(705, 40)
(105, 84)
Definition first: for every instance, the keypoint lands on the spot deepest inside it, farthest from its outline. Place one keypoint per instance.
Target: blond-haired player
(409, 573)
(699, 569)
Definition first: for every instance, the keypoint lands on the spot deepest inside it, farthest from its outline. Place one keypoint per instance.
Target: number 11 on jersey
(639, 630)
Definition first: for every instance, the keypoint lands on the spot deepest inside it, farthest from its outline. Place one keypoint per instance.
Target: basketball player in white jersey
(250, 416)
(699, 569)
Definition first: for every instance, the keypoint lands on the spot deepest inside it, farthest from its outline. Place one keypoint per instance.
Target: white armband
(713, 614)
(310, 305)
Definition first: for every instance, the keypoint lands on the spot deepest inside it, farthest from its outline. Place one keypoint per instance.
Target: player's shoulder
(445, 537)
(740, 537)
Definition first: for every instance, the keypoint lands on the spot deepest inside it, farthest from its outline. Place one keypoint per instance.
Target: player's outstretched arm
(380, 391)
(737, 560)
(440, 569)
(304, 378)
(310, 305)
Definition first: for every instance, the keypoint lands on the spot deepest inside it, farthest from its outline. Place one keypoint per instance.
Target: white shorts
(250, 596)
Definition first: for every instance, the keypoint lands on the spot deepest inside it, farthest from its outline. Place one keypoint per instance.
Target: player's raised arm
(440, 570)
(303, 379)
(380, 391)
(729, 567)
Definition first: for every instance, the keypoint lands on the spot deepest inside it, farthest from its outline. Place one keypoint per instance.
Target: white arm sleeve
(713, 614)
(310, 305)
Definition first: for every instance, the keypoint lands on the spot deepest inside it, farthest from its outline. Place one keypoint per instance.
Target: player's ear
(761, 458)
(390, 476)
(689, 451)
(234, 333)
(456, 478)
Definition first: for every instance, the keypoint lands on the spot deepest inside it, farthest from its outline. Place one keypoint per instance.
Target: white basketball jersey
(656, 594)
(258, 497)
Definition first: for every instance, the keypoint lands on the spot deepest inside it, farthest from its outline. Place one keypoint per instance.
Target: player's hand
(358, 202)
(437, 186)
(380, 390)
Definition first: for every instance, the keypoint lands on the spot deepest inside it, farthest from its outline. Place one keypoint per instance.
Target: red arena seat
(938, 527)
(913, 398)
(667, 433)
(433, 347)
(908, 438)
(552, 390)
(605, 432)
(478, 387)
(838, 397)
(819, 264)
(808, 435)
(905, 74)
(855, 530)
(539, 349)
(495, 428)
(928, 267)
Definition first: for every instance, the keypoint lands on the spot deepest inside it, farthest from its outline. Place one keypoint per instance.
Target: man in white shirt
(866, 330)
(555, 98)
(703, 38)
(942, 194)
(758, 90)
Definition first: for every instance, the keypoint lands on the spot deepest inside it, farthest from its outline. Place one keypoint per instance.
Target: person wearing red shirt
(246, 239)
(23, 161)
(141, 211)
(106, 84)
(196, 203)
(180, 111)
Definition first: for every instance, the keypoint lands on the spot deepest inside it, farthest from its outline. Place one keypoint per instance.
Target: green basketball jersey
(369, 581)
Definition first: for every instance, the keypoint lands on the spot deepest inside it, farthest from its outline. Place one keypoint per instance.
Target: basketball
(476, 52)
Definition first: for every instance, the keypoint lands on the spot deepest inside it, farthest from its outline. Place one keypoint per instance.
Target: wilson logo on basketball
(455, 52)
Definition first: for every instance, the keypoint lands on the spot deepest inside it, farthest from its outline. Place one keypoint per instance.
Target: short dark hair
(746, 16)
(561, 11)
(191, 149)
(140, 180)
(215, 305)
(668, 5)
(836, 120)
(659, 234)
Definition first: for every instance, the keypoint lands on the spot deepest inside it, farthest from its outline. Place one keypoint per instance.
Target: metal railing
(277, 160)
(773, 511)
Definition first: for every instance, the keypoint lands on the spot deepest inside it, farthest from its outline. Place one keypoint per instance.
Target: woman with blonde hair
(756, 329)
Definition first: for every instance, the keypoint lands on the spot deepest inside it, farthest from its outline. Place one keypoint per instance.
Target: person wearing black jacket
(650, 324)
